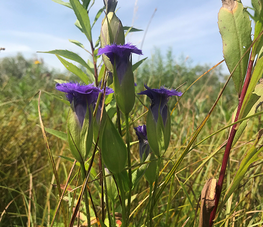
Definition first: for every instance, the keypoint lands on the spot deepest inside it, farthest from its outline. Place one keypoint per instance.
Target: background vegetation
(26, 177)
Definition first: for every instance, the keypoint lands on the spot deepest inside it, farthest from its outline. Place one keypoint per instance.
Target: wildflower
(36, 62)
(144, 149)
(121, 56)
(159, 99)
(80, 97)
(79, 124)
(123, 80)
(158, 119)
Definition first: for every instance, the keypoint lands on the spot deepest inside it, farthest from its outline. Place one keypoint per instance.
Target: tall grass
(26, 185)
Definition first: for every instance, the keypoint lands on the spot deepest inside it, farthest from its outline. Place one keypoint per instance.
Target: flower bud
(111, 30)
(146, 155)
(113, 151)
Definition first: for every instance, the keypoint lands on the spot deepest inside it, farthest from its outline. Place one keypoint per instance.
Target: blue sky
(188, 27)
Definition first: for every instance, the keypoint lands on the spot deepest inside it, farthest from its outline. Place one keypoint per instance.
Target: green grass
(28, 192)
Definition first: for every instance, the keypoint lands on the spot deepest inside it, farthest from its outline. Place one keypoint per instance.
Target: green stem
(86, 201)
(129, 164)
(169, 202)
(149, 206)
(107, 198)
(124, 219)
(113, 213)
(153, 202)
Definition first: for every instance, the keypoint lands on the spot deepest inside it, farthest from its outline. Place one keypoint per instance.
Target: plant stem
(107, 198)
(124, 219)
(154, 191)
(169, 201)
(113, 213)
(129, 165)
(94, 63)
(86, 201)
(102, 191)
(229, 143)
(149, 205)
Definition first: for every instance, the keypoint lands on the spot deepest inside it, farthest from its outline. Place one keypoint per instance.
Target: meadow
(42, 181)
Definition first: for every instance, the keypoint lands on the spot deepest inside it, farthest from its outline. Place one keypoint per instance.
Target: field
(44, 183)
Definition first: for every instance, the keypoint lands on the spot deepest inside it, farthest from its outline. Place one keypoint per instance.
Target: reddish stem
(229, 143)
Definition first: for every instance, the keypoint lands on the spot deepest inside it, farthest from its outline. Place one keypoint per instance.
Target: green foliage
(235, 28)
(198, 134)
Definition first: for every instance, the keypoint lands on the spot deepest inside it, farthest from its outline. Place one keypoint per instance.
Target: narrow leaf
(67, 4)
(72, 56)
(57, 97)
(98, 16)
(137, 64)
(257, 73)
(77, 43)
(246, 162)
(74, 69)
(83, 18)
(131, 29)
(60, 135)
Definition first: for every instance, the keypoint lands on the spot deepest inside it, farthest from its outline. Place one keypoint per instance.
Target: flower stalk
(231, 137)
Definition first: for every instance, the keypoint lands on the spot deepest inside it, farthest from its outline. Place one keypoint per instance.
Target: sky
(189, 28)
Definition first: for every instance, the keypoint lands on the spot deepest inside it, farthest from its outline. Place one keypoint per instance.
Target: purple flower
(81, 97)
(144, 147)
(159, 99)
(120, 55)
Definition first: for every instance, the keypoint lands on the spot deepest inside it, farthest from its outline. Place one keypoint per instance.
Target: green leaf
(60, 135)
(77, 24)
(83, 18)
(77, 43)
(259, 43)
(60, 81)
(57, 97)
(98, 15)
(74, 69)
(235, 28)
(131, 29)
(67, 4)
(250, 157)
(137, 174)
(137, 64)
(86, 3)
(69, 159)
(72, 56)
(101, 73)
(111, 186)
(257, 73)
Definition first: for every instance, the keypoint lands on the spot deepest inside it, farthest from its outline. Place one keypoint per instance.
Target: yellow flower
(36, 62)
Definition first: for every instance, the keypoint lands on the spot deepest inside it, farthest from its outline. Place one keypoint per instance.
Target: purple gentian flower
(81, 97)
(144, 147)
(159, 99)
(120, 55)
